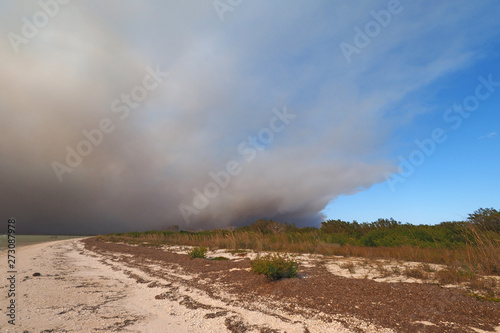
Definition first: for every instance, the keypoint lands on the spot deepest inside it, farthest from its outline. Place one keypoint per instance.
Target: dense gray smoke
(120, 116)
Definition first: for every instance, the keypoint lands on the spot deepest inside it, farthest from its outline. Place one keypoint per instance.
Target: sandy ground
(120, 288)
(79, 291)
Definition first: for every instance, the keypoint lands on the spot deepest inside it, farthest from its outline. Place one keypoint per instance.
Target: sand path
(76, 292)
(80, 291)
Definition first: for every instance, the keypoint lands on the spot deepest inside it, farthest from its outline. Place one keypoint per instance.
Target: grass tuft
(198, 252)
(416, 273)
(349, 266)
(220, 258)
(275, 266)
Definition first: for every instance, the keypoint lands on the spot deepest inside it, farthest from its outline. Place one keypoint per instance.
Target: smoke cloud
(259, 116)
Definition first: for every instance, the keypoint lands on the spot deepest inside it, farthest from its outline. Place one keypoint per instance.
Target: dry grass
(416, 273)
(481, 255)
(349, 266)
(383, 270)
(484, 284)
(466, 265)
(396, 270)
(483, 252)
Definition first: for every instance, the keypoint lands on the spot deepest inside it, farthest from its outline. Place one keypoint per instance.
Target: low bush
(454, 275)
(198, 252)
(220, 258)
(416, 273)
(275, 267)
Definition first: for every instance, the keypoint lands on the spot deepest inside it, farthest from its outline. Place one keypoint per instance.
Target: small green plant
(198, 252)
(239, 253)
(486, 298)
(220, 258)
(275, 266)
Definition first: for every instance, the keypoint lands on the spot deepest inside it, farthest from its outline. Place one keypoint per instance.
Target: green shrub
(198, 252)
(486, 218)
(275, 267)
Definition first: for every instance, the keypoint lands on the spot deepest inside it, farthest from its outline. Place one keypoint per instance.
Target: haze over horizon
(130, 116)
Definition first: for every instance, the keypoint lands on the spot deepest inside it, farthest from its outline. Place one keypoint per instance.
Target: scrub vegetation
(468, 247)
(198, 252)
(275, 266)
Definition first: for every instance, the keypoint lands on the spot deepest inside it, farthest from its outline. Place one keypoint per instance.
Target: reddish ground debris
(404, 307)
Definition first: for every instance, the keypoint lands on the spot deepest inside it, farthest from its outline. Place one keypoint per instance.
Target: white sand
(79, 291)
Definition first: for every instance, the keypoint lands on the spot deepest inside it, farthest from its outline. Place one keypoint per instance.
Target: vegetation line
(468, 247)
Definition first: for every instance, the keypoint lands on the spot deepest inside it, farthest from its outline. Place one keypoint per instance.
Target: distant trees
(389, 232)
(339, 226)
(382, 232)
(267, 227)
(386, 223)
(486, 218)
(172, 228)
(355, 228)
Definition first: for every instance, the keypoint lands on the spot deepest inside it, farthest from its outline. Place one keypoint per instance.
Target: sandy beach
(79, 291)
(85, 286)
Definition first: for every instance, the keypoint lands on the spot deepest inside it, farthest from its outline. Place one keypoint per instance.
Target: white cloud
(488, 136)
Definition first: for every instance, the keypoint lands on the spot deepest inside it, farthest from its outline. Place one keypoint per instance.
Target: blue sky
(460, 176)
(299, 111)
